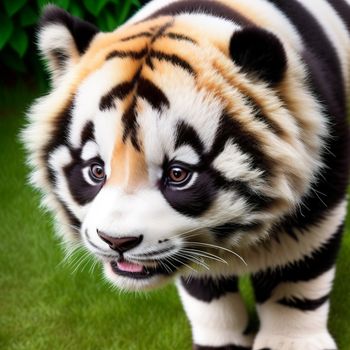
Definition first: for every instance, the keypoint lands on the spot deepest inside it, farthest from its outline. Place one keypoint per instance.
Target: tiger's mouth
(134, 270)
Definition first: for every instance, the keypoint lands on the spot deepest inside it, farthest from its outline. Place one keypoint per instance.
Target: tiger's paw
(319, 341)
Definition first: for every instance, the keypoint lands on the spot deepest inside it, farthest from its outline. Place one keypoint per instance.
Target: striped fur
(245, 101)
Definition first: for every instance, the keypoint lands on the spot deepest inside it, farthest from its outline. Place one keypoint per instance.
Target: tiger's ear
(63, 38)
(259, 53)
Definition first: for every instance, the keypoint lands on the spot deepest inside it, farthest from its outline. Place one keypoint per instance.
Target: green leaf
(107, 21)
(42, 3)
(19, 41)
(11, 60)
(76, 10)
(136, 3)
(12, 6)
(95, 6)
(111, 21)
(28, 16)
(124, 13)
(102, 23)
(62, 3)
(6, 30)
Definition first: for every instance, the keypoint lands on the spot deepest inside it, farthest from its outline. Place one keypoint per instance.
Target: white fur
(219, 322)
(186, 154)
(57, 37)
(307, 341)
(242, 169)
(314, 289)
(90, 150)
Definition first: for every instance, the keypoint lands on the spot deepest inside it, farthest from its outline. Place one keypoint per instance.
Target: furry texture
(214, 134)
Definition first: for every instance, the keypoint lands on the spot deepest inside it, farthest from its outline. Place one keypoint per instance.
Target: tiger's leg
(216, 312)
(293, 302)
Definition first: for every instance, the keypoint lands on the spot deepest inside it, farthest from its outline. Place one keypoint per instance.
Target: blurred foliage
(18, 24)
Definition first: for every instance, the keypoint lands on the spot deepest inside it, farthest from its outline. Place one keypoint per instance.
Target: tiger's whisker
(205, 254)
(218, 247)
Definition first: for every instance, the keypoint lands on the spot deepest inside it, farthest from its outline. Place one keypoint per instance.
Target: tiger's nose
(120, 244)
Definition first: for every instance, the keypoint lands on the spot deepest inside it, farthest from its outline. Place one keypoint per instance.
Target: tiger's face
(149, 149)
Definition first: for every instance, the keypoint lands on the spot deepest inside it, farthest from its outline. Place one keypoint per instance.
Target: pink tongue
(129, 267)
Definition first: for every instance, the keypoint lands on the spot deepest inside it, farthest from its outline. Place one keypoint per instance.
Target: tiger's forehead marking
(103, 43)
(144, 55)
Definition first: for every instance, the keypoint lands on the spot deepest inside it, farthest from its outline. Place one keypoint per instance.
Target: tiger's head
(167, 144)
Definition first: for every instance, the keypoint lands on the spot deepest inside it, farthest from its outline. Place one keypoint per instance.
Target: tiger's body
(204, 140)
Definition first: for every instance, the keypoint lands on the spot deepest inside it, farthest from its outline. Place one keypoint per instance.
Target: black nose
(120, 244)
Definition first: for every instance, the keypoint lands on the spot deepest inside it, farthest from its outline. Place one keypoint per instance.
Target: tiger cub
(201, 141)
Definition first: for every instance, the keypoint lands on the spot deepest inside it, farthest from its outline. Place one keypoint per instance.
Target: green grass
(45, 305)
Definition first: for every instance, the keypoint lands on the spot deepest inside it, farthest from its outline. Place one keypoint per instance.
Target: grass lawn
(44, 304)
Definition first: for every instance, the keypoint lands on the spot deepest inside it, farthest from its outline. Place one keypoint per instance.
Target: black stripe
(120, 91)
(131, 125)
(172, 58)
(161, 30)
(88, 133)
(343, 10)
(256, 200)
(207, 289)
(136, 55)
(145, 89)
(187, 135)
(207, 7)
(230, 128)
(179, 37)
(290, 232)
(135, 36)
(305, 269)
(230, 228)
(223, 347)
(258, 114)
(149, 91)
(304, 304)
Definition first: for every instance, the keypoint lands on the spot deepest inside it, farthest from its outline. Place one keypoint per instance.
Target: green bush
(18, 20)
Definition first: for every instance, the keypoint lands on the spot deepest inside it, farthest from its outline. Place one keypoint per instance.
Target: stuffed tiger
(202, 141)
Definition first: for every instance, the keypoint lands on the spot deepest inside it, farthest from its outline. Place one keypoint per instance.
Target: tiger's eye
(97, 172)
(177, 174)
